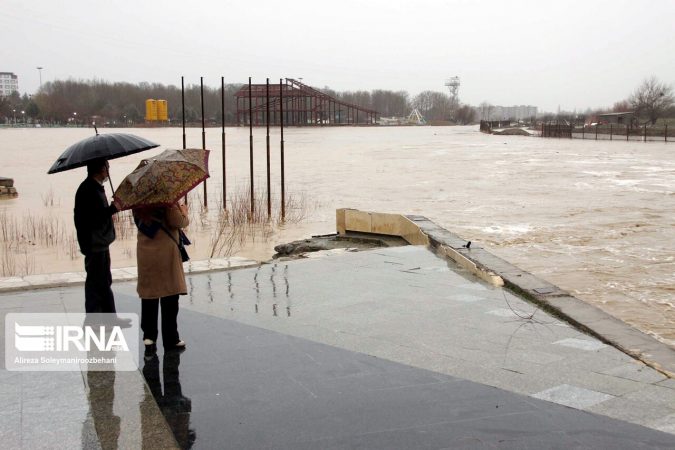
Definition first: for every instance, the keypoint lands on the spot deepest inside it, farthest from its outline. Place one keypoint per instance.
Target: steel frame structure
(302, 106)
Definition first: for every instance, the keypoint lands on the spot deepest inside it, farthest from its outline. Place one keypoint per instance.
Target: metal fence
(610, 132)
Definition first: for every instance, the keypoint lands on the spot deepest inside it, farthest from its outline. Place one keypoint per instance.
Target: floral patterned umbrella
(164, 179)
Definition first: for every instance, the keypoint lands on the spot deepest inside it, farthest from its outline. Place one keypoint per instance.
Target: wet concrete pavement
(390, 348)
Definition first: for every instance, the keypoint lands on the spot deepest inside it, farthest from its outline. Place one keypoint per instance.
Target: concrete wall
(403, 226)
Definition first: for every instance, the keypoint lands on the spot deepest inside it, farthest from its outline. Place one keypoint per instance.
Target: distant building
(8, 83)
(619, 118)
(513, 113)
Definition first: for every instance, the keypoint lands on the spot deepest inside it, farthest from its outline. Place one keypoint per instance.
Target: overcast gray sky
(575, 54)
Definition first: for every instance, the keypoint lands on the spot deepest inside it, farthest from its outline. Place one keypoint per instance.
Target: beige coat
(160, 269)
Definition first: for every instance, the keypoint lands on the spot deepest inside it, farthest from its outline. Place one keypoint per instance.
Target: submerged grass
(228, 229)
(237, 224)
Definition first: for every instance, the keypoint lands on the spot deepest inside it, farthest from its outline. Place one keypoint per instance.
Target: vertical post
(645, 132)
(283, 187)
(610, 131)
(222, 122)
(267, 120)
(596, 131)
(201, 79)
(182, 98)
(250, 140)
(665, 133)
(627, 132)
(583, 131)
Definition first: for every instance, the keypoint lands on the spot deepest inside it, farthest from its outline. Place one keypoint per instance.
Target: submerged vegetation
(23, 237)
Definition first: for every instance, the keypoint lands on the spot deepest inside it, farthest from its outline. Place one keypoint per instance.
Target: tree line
(650, 101)
(119, 103)
(78, 101)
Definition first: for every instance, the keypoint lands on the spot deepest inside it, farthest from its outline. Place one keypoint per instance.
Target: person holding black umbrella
(95, 233)
(93, 214)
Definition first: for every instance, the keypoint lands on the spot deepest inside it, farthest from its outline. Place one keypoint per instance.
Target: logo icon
(32, 338)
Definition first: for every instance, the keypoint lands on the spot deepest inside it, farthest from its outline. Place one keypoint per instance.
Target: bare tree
(651, 99)
(433, 105)
(465, 115)
(621, 106)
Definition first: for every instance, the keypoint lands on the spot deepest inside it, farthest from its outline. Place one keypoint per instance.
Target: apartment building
(8, 83)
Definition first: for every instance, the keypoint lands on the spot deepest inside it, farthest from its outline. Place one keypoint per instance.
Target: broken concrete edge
(419, 230)
(122, 274)
(360, 241)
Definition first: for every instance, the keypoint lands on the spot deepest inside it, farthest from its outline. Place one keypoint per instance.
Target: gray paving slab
(573, 396)
(636, 371)
(65, 409)
(669, 383)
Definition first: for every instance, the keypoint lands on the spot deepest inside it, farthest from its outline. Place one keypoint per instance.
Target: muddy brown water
(595, 218)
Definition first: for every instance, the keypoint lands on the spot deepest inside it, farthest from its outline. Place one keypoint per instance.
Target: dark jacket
(93, 217)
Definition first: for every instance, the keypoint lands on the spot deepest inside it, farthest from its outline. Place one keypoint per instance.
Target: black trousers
(98, 297)
(149, 311)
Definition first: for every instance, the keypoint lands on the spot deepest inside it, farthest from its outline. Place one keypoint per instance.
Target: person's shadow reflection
(173, 404)
(101, 395)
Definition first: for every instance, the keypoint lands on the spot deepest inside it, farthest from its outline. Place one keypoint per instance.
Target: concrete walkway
(389, 348)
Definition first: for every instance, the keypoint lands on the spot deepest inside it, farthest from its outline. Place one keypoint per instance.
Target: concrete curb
(66, 279)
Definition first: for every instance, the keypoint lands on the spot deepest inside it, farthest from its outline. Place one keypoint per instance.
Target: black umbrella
(102, 146)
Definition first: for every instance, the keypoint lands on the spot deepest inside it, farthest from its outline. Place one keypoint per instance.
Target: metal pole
(665, 134)
(610, 131)
(222, 114)
(627, 132)
(283, 187)
(250, 140)
(182, 97)
(206, 200)
(645, 132)
(267, 121)
(596, 131)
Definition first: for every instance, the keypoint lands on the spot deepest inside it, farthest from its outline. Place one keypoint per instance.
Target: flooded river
(595, 218)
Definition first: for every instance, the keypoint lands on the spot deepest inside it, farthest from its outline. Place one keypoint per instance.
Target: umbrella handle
(112, 189)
